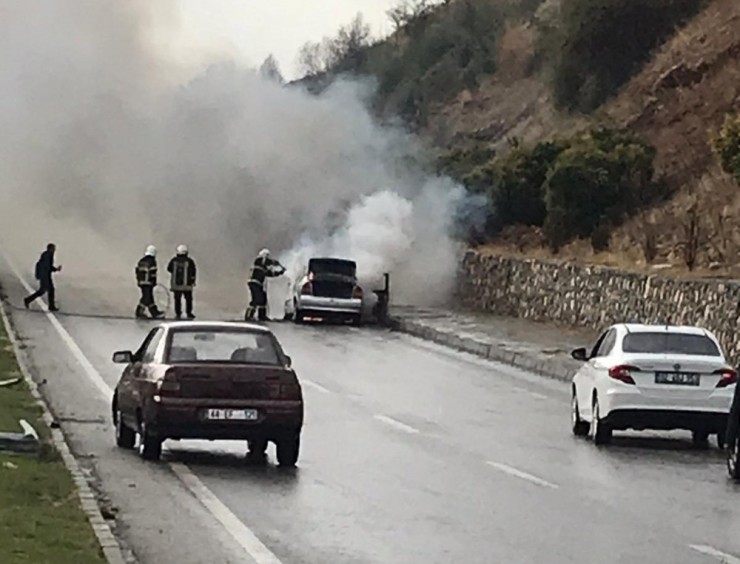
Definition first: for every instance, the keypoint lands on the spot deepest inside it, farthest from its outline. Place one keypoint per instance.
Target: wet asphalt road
(411, 454)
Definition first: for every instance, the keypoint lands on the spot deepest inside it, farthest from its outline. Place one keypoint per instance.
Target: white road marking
(520, 474)
(242, 534)
(89, 369)
(537, 395)
(719, 555)
(315, 386)
(396, 424)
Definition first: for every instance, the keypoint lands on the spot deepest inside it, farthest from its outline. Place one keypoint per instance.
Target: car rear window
(332, 266)
(676, 343)
(234, 347)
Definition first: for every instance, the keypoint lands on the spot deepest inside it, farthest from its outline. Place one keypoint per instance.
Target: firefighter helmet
(264, 253)
(182, 250)
(151, 251)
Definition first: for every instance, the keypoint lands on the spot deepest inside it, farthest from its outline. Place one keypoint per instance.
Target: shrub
(726, 145)
(602, 43)
(518, 179)
(604, 176)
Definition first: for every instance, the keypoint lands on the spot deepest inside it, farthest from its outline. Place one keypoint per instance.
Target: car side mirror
(580, 355)
(288, 361)
(123, 357)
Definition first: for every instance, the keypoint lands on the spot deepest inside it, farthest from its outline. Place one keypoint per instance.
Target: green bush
(518, 181)
(602, 43)
(726, 145)
(594, 184)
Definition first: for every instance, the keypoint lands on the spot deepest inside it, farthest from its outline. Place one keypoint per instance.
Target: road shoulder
(535, 347)
(94, 545)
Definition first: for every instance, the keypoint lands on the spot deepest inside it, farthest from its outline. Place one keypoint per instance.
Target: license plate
(677, 378)
(231, 414)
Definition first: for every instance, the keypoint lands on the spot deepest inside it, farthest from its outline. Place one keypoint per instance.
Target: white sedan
(652, 377)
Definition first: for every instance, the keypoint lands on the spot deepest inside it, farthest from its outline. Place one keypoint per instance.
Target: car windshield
(665, 343)
(332, 266)
(222, 346)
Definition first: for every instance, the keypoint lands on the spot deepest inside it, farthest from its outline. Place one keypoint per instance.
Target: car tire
(356, 320)
(287, 451)
(125, 436)
(150, 445)
(700, 439)
(601, 432)
(579, 427)
(298, 317)
(733, 469)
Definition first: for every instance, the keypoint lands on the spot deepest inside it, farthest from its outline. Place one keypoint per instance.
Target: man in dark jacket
(146, 279)
(44, 270)
(182, 281)
(263, 267)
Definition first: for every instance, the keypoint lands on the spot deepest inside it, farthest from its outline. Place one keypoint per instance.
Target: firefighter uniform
(146, 279)
(182, 281)
(263, 267)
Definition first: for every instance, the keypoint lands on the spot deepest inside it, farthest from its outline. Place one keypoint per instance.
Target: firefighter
(182, 281)
(44, 270)
(146, 278)
(264, 266)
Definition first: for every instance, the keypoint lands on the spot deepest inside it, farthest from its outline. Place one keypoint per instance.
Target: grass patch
(41, 520)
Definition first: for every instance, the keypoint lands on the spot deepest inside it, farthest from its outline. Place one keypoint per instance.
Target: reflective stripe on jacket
(146, 271)
(182, 271)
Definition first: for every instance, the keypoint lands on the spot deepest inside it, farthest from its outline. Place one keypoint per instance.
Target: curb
(108, 543)
(481, 349)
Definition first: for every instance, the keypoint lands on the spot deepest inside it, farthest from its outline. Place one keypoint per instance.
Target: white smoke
(102, 135)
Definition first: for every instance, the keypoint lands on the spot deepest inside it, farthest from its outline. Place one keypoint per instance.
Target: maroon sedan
(216, 381)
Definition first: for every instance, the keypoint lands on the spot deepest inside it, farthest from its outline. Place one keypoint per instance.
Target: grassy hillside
(495, 84)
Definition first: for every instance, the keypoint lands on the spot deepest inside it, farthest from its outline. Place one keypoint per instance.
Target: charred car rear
(329, 289)
(216, 381)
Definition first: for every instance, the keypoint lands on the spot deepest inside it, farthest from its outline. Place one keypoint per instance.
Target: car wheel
(601, 433)
(150, 445)
(287, 450)
(356, 320)
(125, 437)
(700, 439)
(579, 426)
(298, 316)
(732, 460)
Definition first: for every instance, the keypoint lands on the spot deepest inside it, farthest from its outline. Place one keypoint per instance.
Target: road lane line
(713, 552)
(520, 474)
(89, 369)
(315, 386)
(242, 534)
(396, 424)
(537, 395)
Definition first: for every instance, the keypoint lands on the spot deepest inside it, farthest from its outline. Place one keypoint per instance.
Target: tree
(271, 70)
(311, 60)
(727, 146)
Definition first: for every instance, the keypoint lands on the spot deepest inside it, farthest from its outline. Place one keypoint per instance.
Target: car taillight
(169, 385)
(307, 289)
(357, 293)
(728, 376)
(623, 373)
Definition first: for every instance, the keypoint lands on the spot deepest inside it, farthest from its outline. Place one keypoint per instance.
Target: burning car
(328, 289)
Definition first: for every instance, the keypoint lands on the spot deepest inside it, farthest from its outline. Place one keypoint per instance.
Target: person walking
(146, 279)
(263, 267)
(44, 270)
(182, 281)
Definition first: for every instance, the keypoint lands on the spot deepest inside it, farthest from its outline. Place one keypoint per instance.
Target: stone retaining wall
(596, 297)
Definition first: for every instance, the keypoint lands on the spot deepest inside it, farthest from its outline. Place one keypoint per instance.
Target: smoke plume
(106, 139)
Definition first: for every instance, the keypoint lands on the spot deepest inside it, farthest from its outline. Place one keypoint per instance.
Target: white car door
(592, 369)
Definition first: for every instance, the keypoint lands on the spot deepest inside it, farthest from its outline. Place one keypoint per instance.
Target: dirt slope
(678, 99)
